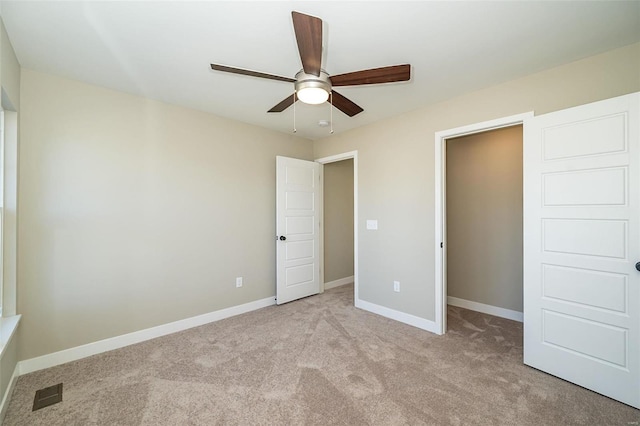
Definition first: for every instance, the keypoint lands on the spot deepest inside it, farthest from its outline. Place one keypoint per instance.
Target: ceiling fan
(312, 84)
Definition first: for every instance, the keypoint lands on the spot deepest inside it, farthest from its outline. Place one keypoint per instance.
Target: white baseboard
(486, 309)
(409, 319)
(72, 354)
(7, 395)
(338, 282)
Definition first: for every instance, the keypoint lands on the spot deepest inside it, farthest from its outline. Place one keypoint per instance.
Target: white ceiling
(162, 49)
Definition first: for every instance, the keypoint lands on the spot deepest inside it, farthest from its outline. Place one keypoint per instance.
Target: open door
(298, 229)
(581, 245)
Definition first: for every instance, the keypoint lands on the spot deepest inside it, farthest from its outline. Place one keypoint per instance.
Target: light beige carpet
(317, 361)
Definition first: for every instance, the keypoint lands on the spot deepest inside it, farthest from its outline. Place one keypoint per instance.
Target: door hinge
(441, 245)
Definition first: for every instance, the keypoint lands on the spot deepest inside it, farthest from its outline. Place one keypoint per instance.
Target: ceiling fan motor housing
(311, 83)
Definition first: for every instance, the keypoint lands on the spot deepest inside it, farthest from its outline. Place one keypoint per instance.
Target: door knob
(282, 238)
(638, 266)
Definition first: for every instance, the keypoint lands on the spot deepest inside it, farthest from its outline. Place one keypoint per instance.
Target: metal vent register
(47, 396)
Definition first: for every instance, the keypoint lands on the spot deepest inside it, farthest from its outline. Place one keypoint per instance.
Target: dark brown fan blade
(286, 103)
(250, 73)
(344, 104)
(373, 76)
(308, 31)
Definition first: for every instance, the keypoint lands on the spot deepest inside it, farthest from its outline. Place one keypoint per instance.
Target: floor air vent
(47, 396)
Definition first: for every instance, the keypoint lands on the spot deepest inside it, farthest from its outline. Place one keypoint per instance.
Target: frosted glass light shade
(312, 95)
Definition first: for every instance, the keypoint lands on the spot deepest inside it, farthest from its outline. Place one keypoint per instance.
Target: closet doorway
(338, 223)
(339, 229)
(483, 181)
(479, 193)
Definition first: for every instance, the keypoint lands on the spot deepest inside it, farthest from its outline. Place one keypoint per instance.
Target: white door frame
(333, 159)
(440, 204)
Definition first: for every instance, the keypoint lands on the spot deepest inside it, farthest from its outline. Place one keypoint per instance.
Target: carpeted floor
(317, 361)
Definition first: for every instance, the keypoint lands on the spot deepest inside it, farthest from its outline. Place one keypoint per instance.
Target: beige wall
(484, 218)
(135, 213)
(396, 168)
(338, 220)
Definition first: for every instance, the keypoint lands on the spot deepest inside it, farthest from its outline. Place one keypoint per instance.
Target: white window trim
(8, 319)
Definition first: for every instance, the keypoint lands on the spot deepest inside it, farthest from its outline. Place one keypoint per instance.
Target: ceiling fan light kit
(311, 89)
(313, 95)
(312, 84)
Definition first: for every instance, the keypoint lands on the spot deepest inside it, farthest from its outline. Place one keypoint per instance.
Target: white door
(581, 245)
(298, 229)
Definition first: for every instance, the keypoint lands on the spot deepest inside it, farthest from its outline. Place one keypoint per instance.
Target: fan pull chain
(331, 111)
(294, 112)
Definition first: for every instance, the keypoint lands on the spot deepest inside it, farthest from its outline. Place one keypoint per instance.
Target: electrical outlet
(238, 281)
(396, 286)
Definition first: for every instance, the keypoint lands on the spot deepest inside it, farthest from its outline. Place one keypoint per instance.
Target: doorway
(442, 243)
(342, 200)
(483, 181)
(338, 223)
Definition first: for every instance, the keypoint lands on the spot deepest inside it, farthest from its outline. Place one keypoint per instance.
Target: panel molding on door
(584, 287)
(581, 243)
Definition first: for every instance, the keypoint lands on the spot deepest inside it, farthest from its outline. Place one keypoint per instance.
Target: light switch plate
(372, 225)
